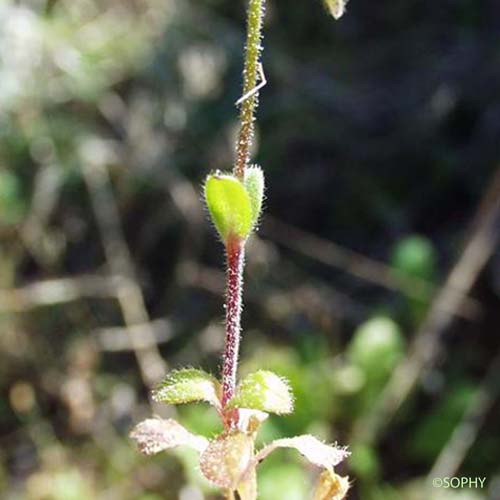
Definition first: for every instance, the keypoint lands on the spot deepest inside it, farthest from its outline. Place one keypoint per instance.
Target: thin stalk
(249, 105)
(235, 247)
(235, 256)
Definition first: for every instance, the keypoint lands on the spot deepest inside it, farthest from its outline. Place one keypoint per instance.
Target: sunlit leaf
(254, 184)
(318, 453)
(229, 205)
(155, 434)
(188, 385)
(227, 459)
(264, 391)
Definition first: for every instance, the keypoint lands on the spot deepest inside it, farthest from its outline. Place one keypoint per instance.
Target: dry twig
(361, 266)
(120, 262)
(426, 343)
(464, 435)
(57, 291)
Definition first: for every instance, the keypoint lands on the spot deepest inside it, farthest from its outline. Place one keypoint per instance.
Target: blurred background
(373, 283)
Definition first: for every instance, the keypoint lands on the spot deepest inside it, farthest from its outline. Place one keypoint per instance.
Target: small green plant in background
(415, 257)
(11, 202)
(229, 461)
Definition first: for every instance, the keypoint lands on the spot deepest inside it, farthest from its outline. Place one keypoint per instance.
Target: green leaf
(264, 391)
(254, 184)
(229, 205)
(186, 386)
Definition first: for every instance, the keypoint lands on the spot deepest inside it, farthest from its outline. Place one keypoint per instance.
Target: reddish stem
(235, 255)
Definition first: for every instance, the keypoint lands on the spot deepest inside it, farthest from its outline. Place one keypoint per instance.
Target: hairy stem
(235, 261)
(249, 105)
(235, 247)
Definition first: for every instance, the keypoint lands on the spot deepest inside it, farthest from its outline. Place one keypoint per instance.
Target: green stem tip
(253, 50)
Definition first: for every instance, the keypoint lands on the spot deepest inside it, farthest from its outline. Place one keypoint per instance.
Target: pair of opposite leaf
(229, 460)
(235, 205)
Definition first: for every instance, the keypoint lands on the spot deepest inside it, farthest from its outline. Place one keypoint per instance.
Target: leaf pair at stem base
(229, 460)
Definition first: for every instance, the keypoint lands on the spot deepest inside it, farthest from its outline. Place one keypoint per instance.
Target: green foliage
(235, 206)
(254, 184)
(434, 430)
(264, 391)
(376, 347)
(415, 256)
(188, 385)
(282, 480)
(202, 418)
(372, 354)
(229, 460)
(365, 462)
(11, 202)
(310, 382)
(229, 205)
(69, 485)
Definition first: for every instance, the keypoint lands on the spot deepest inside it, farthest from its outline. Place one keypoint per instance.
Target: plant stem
(252, 54)
(235, 247)
(235, 251)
